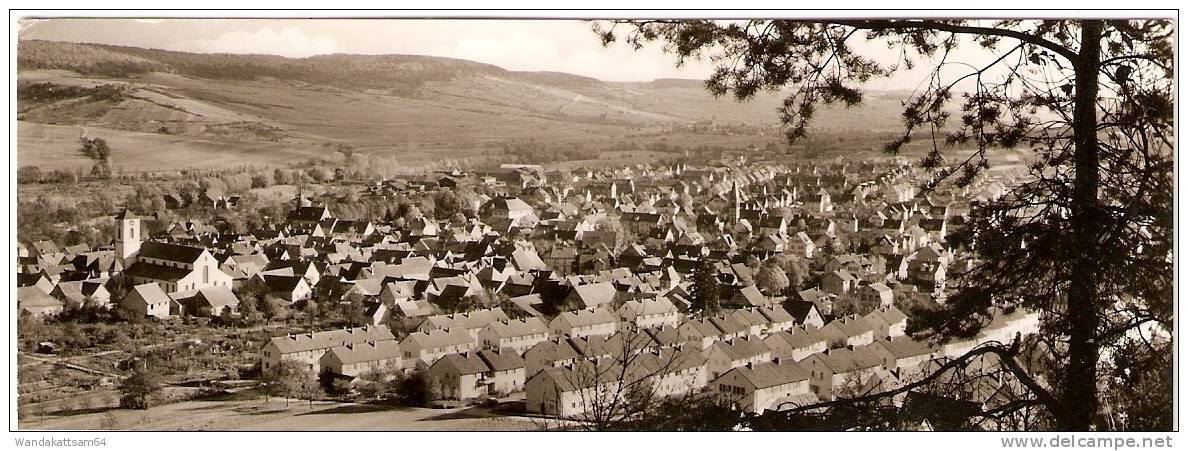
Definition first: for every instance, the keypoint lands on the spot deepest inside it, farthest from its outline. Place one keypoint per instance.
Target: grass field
(57, 147)
(275, 415)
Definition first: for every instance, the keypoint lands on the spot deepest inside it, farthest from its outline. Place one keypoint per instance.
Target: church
(174, 267)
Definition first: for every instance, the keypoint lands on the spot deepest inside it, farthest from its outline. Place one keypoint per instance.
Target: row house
(513, 335)
(354, 359)
(757, 388)
(307, 349)
(584, 323)
(423, 348)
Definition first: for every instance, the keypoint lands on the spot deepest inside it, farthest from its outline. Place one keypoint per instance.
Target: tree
(795, 268)
(706, 290)
(249, 313)
(268, 308)
(286, 379)
(771, 279)
(140, 390)
(1091, 98)
(415, 390)
(312, 311)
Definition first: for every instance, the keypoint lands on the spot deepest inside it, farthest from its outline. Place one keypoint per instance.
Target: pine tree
(705, 289)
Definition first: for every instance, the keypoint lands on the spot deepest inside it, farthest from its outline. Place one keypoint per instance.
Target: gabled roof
(799, 339)
(437, 338)
(517, 328)
(905, 346)
(501, 361)
(742, 348)
(366, 352)
(465, 363)
(595, 294)
(766, 375)
(330, 338)
(844, 360)
(33, 297)
(156, 272)
(170, 252)
(151, 293)
(589, 317)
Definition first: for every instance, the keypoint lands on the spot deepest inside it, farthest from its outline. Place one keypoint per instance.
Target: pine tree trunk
(1078, 397)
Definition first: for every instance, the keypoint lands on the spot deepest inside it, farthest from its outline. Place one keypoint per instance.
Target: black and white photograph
(845, 221)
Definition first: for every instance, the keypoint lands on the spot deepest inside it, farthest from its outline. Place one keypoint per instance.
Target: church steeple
(128, 239)
(737, 202)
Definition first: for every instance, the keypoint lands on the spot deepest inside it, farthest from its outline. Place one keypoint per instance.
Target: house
(425, 347)
(796, 344)
(725, 355)
(904, 354)
(757, 388)
(504, 209)
(471, 321)
(928, 275)
(777, 318)
(460, 376)
(570, 391)
(892, 317)
(805, 313)
(731, 326)
(756, 324)
(650, 313)
(839, 282)
(700, 333)
(584, 323)
(307, 349)
(77, 293)
(801, 245)
(33, 301)
(749, 296)
(209, 301)
(592, 295)
(148, 299)
(856, 330)
(842, 372)
(516, 336)
(550, 353)
(506, 372)
(354, 359)
(877, 293)
(291, 289)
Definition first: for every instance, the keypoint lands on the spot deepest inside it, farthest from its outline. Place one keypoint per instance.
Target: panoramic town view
(901, 224)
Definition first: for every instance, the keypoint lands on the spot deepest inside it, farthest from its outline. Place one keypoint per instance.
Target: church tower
(737, 203)
(127, 244)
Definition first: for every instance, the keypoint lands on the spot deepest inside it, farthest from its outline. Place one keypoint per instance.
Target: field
(178, 110)
(57, 147)
(275, 415)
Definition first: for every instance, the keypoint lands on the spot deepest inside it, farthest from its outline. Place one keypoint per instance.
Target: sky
(514, 44)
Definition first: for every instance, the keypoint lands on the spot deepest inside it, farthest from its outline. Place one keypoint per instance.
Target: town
(755, 280)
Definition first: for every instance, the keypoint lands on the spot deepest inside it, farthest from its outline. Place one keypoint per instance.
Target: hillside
(159, 104)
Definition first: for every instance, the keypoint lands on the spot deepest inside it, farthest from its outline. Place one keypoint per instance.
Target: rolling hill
(164, 109)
